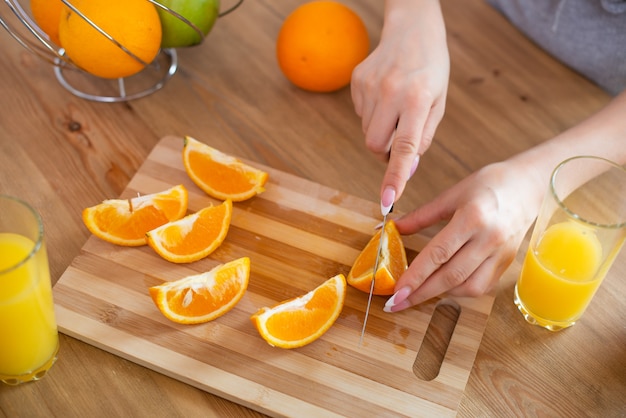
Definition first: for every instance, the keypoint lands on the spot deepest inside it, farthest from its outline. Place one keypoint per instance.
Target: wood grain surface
(61, 154)
(297, 234)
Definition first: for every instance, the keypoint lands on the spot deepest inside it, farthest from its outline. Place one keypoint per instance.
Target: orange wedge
(126, 221)
(203, 297)
(193, 237)
(300, 321)
(390, 267)
(220, 175)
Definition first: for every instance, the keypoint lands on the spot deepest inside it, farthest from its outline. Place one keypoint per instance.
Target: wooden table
(62, 153)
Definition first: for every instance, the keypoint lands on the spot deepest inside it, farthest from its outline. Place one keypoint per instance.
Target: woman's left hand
(489, 213)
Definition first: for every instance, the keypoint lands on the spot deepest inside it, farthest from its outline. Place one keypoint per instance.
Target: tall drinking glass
(29, 339)
(578, 233)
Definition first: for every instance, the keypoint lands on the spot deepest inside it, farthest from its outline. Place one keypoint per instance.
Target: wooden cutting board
(297, 234)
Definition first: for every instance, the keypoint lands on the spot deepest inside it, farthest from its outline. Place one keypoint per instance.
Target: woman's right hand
(400, 89)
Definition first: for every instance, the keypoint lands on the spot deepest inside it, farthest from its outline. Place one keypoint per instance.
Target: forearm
(603, 134)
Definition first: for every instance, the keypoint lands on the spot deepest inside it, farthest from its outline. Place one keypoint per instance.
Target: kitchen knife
(376, 264)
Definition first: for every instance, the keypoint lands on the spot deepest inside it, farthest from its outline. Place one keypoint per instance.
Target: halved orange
(390, 267)
(220, 175)
(203, 297)
(193, 237)
(302, 320)
(126, 221)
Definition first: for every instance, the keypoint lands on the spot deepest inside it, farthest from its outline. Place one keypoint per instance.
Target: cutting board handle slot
(436, 340)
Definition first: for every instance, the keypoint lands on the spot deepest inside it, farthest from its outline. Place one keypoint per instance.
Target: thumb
(431, 213)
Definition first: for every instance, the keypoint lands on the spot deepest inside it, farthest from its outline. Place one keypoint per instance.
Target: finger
(481, 281)
(430, 126)
(464, 266)
(442, 208)
(402, 159)
(363, 100)
(434, 255)
(357, 101)
(487, 275)
(439, 251)
(473, 271)
(427, 215)
(380, 131)
(358, 88)
(404, 148)
(450, 275)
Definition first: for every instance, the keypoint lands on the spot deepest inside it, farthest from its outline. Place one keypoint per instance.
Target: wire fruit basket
(83, 84)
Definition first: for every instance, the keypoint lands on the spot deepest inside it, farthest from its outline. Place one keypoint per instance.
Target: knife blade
(376, 264)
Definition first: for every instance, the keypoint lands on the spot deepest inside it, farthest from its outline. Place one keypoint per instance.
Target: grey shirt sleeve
(587, 35)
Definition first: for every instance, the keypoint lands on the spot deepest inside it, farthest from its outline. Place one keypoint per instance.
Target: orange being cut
(126, 221)
(193, 237)
(203, 297)
(390, 267)
(302, 320)
(220, 175)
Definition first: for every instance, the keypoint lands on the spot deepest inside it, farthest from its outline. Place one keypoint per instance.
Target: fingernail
(416, 161)
(386, 201)
(399, 307)
(398, 297)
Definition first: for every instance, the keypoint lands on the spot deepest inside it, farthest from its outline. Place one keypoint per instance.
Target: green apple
(176, 32)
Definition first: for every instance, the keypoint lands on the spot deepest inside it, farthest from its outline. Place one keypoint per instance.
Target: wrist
(410, 15)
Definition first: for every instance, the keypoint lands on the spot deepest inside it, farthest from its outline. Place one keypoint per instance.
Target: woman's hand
(400, 90)
(490, 211)
(489, 214)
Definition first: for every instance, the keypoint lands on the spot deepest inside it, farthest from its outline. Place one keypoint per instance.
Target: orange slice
(126, 221)
(220, 175)
(300, 321)
(390, 267)
(203, 297)
(193, 237)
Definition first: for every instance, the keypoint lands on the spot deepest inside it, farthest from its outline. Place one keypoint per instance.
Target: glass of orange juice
(579, 231)
(29, 340)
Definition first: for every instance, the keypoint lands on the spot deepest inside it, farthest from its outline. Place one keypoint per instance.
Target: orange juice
(28, 331)
(561, 275)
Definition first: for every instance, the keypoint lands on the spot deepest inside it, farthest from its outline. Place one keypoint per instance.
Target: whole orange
(319, 44)
(135, 24)
(47, 14)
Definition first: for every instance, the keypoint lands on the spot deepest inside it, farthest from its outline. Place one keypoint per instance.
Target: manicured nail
(398, 297)
(416, 161)
(386, 201)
